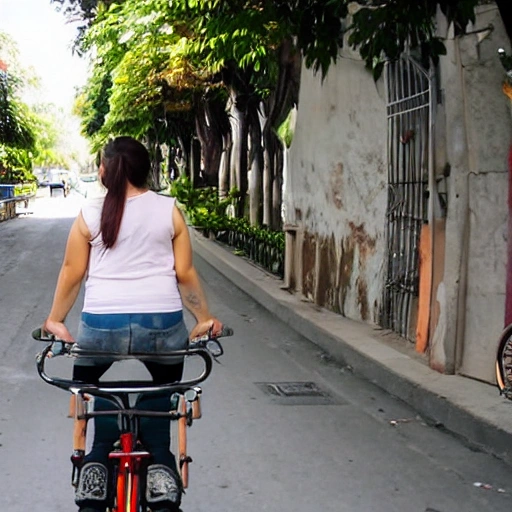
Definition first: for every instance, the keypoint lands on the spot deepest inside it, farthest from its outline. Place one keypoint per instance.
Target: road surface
(354, 449)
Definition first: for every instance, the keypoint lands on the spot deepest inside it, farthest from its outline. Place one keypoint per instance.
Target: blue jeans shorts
(149, 336)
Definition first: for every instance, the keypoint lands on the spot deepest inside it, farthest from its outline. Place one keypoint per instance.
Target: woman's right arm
(72, 272)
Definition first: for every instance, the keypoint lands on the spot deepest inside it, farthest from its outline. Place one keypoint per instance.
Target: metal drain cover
(294, 389)
(295, 393)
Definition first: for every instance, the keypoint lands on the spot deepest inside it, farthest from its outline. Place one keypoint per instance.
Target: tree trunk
(157, 167)
(211, 123)
(195, 162)
(268, 177)
(277, 107)
(277, 192)
(173, 165)
(256, 164)
(224, 168)
(239, 129)
(184, 159)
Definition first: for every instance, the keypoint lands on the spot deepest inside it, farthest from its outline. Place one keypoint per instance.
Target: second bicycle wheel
(504, 363)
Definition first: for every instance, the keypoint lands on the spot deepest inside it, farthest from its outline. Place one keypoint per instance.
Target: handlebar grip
(38, 335)
(47, 337)
(226, 331)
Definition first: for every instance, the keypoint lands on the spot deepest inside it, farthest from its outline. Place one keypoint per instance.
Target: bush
(204, 210)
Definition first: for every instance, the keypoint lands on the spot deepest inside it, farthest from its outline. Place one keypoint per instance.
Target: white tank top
(137, 274)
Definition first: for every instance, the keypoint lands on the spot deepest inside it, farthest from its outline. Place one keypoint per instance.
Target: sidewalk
(469, 409)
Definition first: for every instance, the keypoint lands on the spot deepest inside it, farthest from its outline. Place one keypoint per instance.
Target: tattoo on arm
(194, 301)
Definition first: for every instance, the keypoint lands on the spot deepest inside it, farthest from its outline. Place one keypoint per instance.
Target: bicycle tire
(504, 362)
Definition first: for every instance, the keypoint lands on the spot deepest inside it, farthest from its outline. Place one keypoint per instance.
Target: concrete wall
(336, 189)
(336, 195)
(474, 133)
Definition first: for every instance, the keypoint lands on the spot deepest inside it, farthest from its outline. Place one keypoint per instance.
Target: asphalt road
(354, 449)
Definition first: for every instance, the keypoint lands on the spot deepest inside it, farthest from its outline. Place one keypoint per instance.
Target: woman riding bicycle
(134, 249)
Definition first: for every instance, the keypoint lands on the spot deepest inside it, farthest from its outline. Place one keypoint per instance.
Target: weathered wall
(474, 133)
(336, 188)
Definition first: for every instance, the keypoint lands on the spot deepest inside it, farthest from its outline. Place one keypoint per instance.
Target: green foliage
(84, 10)
(45, 152)
(137, 67)
(16, 121)
(205, 211)
(382, 30)
(92, 104)
(260, 244)
(260, 234)
(317, 26)
(285, 131)
(202, 206)
(28, 135)
(15, 165)
(26, 188)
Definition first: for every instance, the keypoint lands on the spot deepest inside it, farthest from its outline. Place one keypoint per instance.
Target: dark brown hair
(124, 160)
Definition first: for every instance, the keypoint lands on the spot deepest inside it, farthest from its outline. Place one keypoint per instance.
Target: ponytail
(124, 160)
(113, 206)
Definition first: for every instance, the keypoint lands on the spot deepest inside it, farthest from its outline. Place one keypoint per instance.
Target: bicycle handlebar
(198, 347)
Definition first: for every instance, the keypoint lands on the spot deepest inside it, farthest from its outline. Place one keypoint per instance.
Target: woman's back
(137, 274)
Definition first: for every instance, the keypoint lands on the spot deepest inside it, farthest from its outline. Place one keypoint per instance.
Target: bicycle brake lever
(58, 348)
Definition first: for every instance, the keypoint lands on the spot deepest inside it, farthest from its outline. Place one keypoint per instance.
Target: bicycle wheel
(504, 363)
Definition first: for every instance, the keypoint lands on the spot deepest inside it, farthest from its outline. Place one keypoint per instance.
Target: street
(352, 449)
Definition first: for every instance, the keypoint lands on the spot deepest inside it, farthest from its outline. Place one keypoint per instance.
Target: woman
(135, 249)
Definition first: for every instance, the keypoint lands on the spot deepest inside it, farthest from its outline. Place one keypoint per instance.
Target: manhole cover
(293, 389)
(296, 393)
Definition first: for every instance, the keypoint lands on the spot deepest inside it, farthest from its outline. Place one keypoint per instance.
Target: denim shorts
(147, 336)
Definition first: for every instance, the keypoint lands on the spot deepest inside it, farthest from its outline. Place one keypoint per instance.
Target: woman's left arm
(190, 287)
(72, 272)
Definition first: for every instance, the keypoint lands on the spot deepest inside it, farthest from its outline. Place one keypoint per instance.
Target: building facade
(396, 196)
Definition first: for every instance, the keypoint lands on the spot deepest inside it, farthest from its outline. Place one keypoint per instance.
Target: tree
(159, 62)
(15, 121)
(28, 135)
(383, 29)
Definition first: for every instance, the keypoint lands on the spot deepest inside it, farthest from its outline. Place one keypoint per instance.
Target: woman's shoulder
(164, 199)
(93, 204)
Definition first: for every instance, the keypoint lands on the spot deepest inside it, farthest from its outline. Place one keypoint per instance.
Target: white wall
(336, 193)
(478, 131)
(337, 184)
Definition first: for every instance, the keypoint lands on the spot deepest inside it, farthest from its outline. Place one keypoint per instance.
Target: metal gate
(409, 97)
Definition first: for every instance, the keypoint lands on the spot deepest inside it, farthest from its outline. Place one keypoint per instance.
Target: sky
(44, 40)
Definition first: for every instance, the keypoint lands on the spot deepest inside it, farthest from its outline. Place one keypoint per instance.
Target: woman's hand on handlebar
(59, 330)
(212, 325)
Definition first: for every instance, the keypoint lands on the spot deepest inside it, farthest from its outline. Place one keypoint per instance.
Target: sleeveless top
(137, 274)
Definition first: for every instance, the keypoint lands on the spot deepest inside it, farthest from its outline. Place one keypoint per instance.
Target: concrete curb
(472, 410)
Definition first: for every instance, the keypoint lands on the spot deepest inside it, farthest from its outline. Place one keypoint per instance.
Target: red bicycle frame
(128, 476)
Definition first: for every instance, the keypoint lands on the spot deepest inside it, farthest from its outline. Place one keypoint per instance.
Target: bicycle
(504, 363)
(129, 457)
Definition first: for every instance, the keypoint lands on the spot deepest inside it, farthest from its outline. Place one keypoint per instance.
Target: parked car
(77, 183)
(89, 178)
(58, 179)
